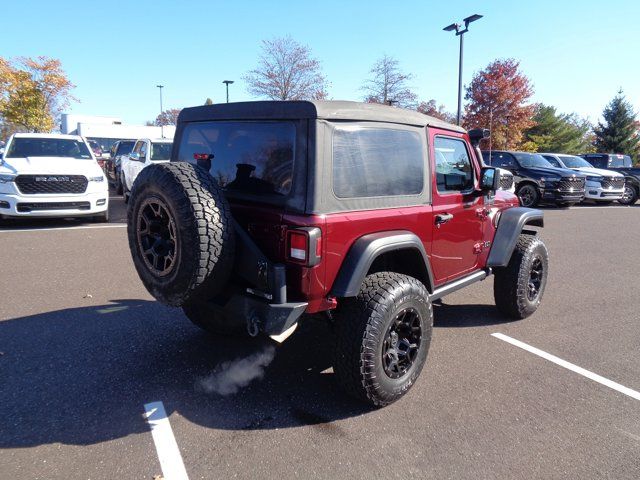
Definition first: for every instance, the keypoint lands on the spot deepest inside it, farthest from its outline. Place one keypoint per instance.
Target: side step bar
(448, 288)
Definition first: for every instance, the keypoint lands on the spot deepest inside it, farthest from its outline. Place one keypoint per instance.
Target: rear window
(160, 151)
(246, 157)
(48, 147)
(376, 162)
(124, 148)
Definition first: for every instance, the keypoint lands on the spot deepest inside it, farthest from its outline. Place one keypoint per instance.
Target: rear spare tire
(180, 233)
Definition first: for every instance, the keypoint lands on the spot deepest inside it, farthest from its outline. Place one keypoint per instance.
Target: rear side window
(246, 157)
(377, 162)
(454, 172)
(160, 151)
(552, 161)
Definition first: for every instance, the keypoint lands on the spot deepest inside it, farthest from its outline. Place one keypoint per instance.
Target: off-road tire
(204, 240)
(361, 326)
(631, 195)
(512, 284)
(211, 321)
(530, 194)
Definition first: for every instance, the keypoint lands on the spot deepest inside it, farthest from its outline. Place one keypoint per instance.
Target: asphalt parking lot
(84, 348)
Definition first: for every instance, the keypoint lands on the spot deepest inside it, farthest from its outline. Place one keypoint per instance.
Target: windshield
(48, 147)
(161, 151)
(124, 148)
(532, 160)
(574, 162)
(249, 157)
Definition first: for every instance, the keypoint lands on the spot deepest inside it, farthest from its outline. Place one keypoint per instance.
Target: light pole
(227, 83)
(461, 29)
(160, 87)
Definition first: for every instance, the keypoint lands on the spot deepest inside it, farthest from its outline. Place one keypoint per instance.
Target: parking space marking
(569, 366)
(166, 446)
(84, 227)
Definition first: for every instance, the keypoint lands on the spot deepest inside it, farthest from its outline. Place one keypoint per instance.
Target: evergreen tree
(558, 133)
(618, 133)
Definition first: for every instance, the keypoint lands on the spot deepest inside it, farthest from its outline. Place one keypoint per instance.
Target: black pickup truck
(537, 181)
(623, 164)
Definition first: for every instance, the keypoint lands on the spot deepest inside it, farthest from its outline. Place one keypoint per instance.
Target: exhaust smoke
(231, 376)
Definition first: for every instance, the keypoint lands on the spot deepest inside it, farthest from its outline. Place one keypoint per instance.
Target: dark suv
(112, 164)
(270, 211)
(622, 164)
(537, 181)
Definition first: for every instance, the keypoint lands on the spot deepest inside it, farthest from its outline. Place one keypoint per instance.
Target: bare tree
(389, 85)
(286, 71)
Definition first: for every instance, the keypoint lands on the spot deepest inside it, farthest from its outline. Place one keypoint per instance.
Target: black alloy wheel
(156, 234)
(528, 196)
(536, 276)
(401, 344)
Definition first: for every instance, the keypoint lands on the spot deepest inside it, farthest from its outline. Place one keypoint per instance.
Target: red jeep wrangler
(368, 213)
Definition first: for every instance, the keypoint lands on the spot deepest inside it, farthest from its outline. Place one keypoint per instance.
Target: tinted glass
(377, 162)
(125, 148)
(248, 157)
(552, 161)
(571, 161)
(454, 172)
(160, 151)
(499, 159)
(627, 161)
(531, 160)
(48, 147)
(104, 143)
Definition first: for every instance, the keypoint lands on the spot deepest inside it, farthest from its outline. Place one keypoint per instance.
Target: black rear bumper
(269, 318)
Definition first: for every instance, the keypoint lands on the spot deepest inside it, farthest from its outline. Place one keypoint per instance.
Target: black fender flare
(366, 249)
(512, 222)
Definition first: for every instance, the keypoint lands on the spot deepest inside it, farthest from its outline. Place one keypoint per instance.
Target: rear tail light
(304, 245)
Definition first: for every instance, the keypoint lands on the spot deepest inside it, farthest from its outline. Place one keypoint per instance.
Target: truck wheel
(180, 233)
(528, 195)
(205, 317)
(518, 287)
(382, 338)
(630, 195)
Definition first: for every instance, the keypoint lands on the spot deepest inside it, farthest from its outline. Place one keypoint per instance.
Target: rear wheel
(518, 287)
(630, 195)
(528, 195)
(382, 338)
(180, 233)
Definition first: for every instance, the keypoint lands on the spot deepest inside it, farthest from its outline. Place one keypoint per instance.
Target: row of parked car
(565, 180)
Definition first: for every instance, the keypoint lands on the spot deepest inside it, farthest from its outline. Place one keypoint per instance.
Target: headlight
(6, 178)
(594, 179)
(97, 179)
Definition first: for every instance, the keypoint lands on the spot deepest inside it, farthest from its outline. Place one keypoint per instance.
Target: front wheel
(382, 338)
(528, 196)
(630, 195)
(518, 287)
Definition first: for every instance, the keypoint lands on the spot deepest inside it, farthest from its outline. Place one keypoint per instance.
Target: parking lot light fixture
(227, 83)
(461, 29)
(160, 87)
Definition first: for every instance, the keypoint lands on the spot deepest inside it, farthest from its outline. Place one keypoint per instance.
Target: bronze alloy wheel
(156, 235)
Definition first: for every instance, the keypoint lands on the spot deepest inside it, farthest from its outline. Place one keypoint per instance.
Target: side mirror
(135, 156)
(489, 180)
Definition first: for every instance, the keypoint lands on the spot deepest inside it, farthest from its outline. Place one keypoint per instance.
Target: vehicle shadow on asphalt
(469, 315)
(81, 376)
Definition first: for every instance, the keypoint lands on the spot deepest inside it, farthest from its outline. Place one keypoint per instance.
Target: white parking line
(84, 227)
(166, 446)
(570, 366)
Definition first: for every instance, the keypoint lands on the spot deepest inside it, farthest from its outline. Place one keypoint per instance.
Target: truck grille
(31, 207)
(506, 182)
(613, 182)
(568, 183)
(44, 184)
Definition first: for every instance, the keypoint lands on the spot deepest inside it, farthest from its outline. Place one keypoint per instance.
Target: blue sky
(577, 53)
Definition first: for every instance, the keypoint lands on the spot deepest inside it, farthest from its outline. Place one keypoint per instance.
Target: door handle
(443, 218)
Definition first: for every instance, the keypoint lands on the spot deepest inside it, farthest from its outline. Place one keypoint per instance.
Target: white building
(107, 130)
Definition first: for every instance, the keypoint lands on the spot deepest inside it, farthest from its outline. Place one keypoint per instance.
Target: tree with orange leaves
(33, 94)
(498, 99)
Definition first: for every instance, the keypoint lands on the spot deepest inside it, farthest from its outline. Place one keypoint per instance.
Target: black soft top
(317, 109)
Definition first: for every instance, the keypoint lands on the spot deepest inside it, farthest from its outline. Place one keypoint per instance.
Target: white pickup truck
(145, 152)
(51, 175)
